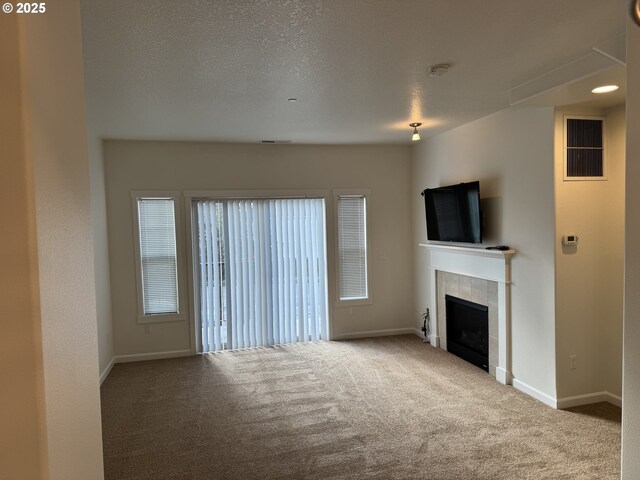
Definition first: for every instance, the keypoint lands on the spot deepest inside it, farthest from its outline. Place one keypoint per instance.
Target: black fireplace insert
(468, 331)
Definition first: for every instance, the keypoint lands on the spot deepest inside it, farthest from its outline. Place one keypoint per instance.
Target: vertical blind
(262, 266)
(158, 259)
(352, 247)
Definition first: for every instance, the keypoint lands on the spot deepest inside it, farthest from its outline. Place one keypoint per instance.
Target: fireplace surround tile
(493, 350)
(492, 293)
(479, 291)
(466, 290)
(474, 290)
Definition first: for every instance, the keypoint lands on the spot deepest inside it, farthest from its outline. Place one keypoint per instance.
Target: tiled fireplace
(477, 290)
(479, 276)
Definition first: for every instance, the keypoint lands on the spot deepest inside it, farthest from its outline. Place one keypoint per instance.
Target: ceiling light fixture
(605, 89)
(292, 100)
(416, 135)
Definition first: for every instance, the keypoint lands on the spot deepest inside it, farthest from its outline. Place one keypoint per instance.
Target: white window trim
(367, 194)
(566, 177)
(182, 284)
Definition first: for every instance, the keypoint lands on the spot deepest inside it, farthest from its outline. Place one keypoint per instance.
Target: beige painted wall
(631, 355)
(189, 165)
(22, 424)
(511, 153)
(50, 416)
(55, 139)
(589, 276)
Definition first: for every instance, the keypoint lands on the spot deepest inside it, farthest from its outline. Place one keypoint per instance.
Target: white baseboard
(535, 393)
(376, 333)
(614, 399)
(430, 339)
(588, 398)
(140, 357)
(105, 373)
(504, 376)
(418, 333)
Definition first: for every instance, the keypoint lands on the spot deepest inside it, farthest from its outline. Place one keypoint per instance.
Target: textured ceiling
(223, 70)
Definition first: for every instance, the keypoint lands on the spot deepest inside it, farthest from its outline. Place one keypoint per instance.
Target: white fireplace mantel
(493, 265)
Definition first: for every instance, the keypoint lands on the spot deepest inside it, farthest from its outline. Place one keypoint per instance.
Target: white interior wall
(614, 269)
(631, 352)
(55, 143)
(99, 223)
(100, 253)
(589, 276)
(511, 153)
(131, 165)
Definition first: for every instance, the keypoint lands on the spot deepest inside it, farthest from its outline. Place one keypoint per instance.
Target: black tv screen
(453, 213)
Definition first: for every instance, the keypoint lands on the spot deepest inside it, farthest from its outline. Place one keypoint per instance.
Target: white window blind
(158, 258)
(352, 247)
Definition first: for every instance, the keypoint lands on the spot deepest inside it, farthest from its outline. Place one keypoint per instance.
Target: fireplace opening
(468, 331)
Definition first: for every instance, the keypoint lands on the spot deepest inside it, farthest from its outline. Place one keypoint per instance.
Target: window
(157, 259)
(353, 261)
(584, 148)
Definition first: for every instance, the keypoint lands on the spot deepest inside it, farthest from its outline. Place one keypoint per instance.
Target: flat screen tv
(453, 213)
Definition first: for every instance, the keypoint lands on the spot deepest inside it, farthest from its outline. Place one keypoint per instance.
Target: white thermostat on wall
(570, 239)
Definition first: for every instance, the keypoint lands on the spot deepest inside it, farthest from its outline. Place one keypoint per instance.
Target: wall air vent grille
(584, 148)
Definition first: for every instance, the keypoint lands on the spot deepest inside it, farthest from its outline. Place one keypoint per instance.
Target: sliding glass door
(262, 272)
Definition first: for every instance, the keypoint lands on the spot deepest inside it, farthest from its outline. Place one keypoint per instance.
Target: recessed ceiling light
(605, 89)
(292, 100)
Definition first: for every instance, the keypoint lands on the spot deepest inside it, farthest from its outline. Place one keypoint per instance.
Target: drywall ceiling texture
(631, 362)
(511, 153)
(589, 276)
(223, 70)
(56, 142)
(132, 166)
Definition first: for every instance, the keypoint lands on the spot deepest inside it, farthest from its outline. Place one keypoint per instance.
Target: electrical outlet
(572, 362)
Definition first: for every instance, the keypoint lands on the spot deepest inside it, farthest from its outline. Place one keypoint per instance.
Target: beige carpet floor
(383, 408)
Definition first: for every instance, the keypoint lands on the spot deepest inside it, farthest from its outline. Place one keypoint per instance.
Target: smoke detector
(438, 70)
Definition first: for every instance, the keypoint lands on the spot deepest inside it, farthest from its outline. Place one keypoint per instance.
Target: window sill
(164, 318)
(354, 303)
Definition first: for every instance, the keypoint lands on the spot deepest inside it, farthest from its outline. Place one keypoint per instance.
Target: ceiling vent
(273, 142)
(438, 70)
